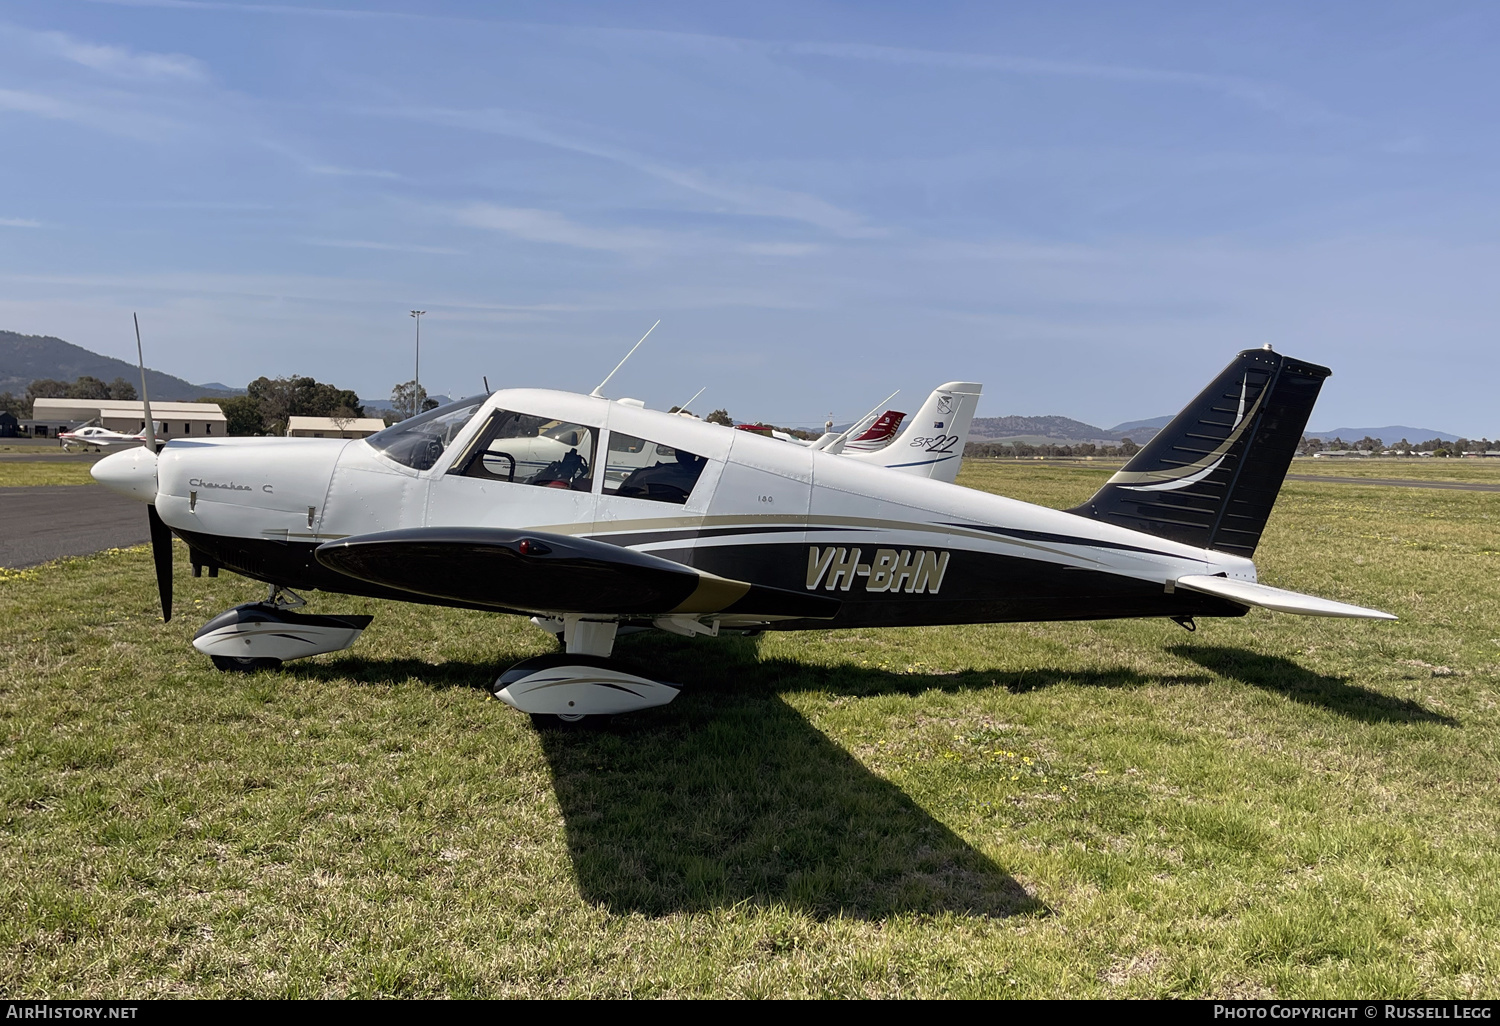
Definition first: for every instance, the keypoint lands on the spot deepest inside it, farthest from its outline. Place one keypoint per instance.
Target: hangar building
(175, 420)
(333, 427)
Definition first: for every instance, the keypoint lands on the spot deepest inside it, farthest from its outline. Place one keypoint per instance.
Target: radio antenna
(850, 430)
(486, 378)
(684, 407)
(598, 392)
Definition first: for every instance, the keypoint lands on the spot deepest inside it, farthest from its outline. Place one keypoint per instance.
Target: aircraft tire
(547, 721)
(248, 664)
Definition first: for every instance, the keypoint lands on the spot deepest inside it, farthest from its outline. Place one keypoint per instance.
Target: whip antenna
(860, 421)
(596, 393)
(684, 407)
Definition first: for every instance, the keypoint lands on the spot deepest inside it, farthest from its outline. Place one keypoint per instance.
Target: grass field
(1415, 469)
(1269, 806)
(25, 474)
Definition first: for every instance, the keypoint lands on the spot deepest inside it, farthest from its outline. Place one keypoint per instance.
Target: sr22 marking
(937, 443)
(912, 571)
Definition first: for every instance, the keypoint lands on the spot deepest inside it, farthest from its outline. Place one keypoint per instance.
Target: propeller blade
(161, 554)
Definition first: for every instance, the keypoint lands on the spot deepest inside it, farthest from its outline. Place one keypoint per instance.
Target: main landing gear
(567, 687)
(262, 635)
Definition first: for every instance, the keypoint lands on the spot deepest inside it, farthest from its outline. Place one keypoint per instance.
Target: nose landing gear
(262, 635)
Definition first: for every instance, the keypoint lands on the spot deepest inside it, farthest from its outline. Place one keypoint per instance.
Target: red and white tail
(878, 435)
(933, 443)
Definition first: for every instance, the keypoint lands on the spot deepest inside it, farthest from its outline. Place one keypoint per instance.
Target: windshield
(418, 441)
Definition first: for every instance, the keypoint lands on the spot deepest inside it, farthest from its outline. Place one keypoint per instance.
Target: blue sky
(1088, 207)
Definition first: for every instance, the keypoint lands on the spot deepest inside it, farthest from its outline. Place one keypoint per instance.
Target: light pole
(417, 377)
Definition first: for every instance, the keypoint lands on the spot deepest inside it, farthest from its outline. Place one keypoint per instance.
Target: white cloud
(233, 8)
(122, 121)
(738, 197)
(549, 226)
(780, 249)
(19, 222)
(1265, 95)
(351, 172)
(394, 247)
(117, 60)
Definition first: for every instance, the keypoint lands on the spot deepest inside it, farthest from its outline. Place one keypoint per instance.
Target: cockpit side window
(418, 441)
(641, 469)
(527, 449)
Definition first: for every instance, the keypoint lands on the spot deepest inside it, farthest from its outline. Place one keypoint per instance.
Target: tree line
(1308, 446)
(1028, 451)
(264, 409)
(1436, 446)
(85, 387)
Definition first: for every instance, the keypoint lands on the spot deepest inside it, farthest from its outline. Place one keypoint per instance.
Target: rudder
(1211, 476)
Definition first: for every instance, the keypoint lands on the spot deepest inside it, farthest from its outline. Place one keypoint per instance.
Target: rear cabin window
(524, 448)
(642, 469)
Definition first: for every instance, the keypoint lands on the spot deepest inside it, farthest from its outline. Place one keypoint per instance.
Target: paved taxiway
(51, 521)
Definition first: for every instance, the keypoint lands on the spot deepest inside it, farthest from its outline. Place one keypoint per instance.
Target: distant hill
(1388, 435)
(25, 358)
(1140, 430)
(1039, 430)
(1060, 429)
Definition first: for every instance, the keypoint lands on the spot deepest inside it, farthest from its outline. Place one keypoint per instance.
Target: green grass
(1468, 471)
(18, 474)
(1269, 806)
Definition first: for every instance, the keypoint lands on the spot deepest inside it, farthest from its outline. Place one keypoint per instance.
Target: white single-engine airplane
(715, 530)
(101, 438)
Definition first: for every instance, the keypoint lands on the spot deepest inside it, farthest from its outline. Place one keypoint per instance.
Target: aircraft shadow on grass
(729, 797)
(1336, 694)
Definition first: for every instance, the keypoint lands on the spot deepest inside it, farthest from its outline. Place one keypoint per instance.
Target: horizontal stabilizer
(541, 573)
(1252, 594)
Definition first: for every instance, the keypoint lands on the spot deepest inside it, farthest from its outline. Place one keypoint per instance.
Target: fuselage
(893, 548)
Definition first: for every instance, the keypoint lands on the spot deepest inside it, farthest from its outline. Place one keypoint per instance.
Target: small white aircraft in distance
(721, 530)
(101, 438)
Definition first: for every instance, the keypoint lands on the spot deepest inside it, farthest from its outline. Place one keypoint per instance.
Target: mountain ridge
(27, 358)
(1388, 435)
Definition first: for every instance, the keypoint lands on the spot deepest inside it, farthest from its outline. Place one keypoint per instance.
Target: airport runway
(51, 521)
(1396, 482)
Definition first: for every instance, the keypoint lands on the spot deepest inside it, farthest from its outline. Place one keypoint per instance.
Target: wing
(540, 573)
(1250, 594)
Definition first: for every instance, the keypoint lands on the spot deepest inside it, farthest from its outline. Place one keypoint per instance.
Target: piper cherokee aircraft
(720, 530)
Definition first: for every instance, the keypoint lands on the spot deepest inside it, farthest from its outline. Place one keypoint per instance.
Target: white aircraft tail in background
(933, 443)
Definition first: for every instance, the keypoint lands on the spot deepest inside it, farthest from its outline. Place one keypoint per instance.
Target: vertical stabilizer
(932, 444)
(878, 435)
(1210, 477)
